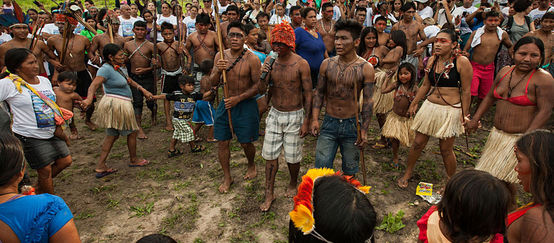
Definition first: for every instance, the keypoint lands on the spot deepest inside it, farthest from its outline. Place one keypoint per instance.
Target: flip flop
(198, 139)
(142, 163)
(378, 146)
(213, 140)
(105, 173)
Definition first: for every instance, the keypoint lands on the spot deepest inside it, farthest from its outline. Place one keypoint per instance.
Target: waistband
(482, 65)
(118, 97)
(173, 73)
(352, 119)
(296, 112)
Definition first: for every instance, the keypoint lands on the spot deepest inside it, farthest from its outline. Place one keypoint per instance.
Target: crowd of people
(423, 68)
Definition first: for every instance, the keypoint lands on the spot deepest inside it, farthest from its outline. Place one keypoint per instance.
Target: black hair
(413, 79)
(451, 33)
(206, 66)
(407, 6)
(168, 5)
(261, 15)
(100, 16)
(248, 27)
(90, 17)
(67, 76)
(11, 157)
(166, 26)
(294, 8)
(156, 238)
(146, 11)
(237, 24)
(186, 79)
(326, 5)
(110, 49)
(14, 58)
(491, 14)
(139, 23)
(90, 1)
(530, 40)
(474, 206)
(538, 146)
(449, 26)
(358, 9)
(521, 5)
(194, 6)
(399, 38)
(342, 213)
(233, 8)
(349, 25)
(32, 10)
(362, 48)
(304, 13)
(380, 18)
(548, 15)
(203, 18)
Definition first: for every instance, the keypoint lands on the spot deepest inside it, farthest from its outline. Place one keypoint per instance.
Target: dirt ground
(179, 196)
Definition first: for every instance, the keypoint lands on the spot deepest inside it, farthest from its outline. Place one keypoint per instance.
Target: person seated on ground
(156, 238)
(340, 211)
(535, 168)
(472, 209)
(34, 218)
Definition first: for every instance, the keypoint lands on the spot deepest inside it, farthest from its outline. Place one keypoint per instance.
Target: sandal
(171, 154)
(379, 145)
(198, 148)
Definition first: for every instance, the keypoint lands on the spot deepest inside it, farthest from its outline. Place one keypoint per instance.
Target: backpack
(508, 27)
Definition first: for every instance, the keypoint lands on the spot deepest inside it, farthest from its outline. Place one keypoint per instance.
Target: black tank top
(451, 81)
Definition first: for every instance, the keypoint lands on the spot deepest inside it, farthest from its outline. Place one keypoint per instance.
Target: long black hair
(11, 157)
(399, 38)
(14, 58)
(410, 67)
(362, 47)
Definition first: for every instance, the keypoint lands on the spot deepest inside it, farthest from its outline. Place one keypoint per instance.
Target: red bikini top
(522, 100)
(518, 213)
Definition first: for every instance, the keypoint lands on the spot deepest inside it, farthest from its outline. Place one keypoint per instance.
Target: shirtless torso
(243, 78)
(170, 55)
(548, 40)
(39, 50)
(485, 53)
(383, 38)
(325, 28)
(140, 55)
(74, 59)
(98, 43)
(203, 45)
(412, 29)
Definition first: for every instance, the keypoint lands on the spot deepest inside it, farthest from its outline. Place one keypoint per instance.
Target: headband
(64, 18)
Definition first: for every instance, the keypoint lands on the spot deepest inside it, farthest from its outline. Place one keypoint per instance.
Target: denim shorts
(43, 152)
(337, 133)
(114, 132)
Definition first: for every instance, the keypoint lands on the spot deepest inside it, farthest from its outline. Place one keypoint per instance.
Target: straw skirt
(116, 112)
(382, 103)
(440, 121)
(498, 157)
(400, 128)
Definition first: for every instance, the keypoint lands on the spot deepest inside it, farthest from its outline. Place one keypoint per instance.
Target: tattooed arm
(319, 95)
(307, 95)
(367, 106)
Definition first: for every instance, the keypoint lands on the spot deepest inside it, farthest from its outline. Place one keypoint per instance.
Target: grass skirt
(382, 103)
(399, 127)
(440, 121)
(498, 157)
(116, 112)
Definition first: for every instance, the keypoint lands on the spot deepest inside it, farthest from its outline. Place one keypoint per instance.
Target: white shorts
(282, 132)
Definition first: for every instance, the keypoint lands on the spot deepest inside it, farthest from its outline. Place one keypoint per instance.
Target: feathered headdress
(17, 18)
(283, 33)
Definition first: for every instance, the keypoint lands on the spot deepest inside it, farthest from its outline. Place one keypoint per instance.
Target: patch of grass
(85, 215)
(244, 237)
(142, 211)
(392, 223)
(112, 203)
(99, 189)
(182, 185)
(198, 240)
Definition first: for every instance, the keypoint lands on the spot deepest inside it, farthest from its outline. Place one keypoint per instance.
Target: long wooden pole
(155, 40)
(359, 133)
(222, 56)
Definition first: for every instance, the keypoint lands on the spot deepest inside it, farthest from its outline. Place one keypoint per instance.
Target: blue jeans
(337, 133)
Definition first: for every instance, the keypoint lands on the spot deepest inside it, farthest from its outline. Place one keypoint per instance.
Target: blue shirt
(35, 218)
(115, 83)
(310, 48)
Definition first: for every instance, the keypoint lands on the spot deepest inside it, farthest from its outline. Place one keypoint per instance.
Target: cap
(421, 1)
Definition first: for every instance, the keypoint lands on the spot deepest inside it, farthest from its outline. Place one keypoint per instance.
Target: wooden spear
(222, 56)
(359, 132)
(154, 40)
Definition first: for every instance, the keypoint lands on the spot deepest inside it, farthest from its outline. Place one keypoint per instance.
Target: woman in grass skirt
(115, 111)
(446, 91)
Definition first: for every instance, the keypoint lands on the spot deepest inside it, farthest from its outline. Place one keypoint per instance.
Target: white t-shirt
(442, 16)
(171, 19)
(463, 12)
(5, 38)
(50, 29)
(336, 13)
(537, 14)
(190, 23)
(31, 116)
(368, 17)
(276, 19)
(126, 26)
(430, 32)
(427, 12)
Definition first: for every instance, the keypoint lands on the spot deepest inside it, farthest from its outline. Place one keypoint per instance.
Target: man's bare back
(290, 81)
(140, 58)
(203, 46)
(327, 33)
(74, 59)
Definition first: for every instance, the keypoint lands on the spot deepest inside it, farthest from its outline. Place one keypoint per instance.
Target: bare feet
(91, 125)
(141, 134)
(168, 127)
(291, 191)
(250, 173)
(403, 182)
(224, 188)
(266, 205)
(74, 135)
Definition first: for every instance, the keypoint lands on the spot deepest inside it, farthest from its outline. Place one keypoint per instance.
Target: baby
(67, 98)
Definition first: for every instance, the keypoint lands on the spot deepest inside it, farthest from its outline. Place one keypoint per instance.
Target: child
(67, 98)
(184, 105)
(398, 123)
(473, 209)
(204, 112)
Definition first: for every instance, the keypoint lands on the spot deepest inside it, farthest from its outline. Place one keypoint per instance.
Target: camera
(486, 10)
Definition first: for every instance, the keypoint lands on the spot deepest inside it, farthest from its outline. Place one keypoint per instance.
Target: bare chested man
(20, 40)
(325, 27)
(338, 77)
(99, 41)
(202, 43)
(380, 26)
(171, 56)
(485, 42)
(73, 58)
(545, 34)
(290, 88)
(139, 51)
(243, 74)
(232, 16)
(413, 30)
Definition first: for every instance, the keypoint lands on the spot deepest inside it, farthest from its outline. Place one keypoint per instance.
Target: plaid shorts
(182, 131)
(282, 132)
